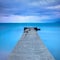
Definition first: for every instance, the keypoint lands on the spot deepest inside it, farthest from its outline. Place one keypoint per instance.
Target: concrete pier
(30, 47)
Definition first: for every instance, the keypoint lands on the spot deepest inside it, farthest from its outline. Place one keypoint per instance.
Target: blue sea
(10, 34)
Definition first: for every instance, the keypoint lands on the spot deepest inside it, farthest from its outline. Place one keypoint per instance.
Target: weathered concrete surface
(30, 47)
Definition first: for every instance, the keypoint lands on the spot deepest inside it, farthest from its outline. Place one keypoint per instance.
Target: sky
(10, 34)
(25, 11)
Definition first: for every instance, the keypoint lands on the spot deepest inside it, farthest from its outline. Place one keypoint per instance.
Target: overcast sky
(40, 11)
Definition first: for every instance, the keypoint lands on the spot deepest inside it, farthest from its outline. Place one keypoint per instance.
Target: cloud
(54, 7)
(23, 19)
(26, 7)
(29, 10)
(42, 2)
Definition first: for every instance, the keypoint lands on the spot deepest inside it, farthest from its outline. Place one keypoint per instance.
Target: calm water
(10, 34)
